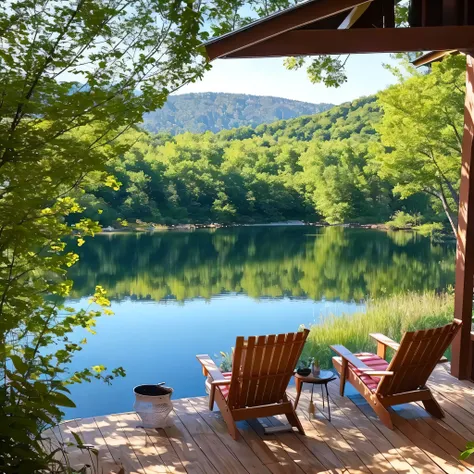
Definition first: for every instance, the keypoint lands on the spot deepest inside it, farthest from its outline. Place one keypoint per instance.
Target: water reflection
(177, 294)
(332, 263)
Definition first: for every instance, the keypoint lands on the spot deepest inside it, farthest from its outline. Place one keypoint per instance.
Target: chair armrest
(356, 362)
(210, 368)
(221, 382)
(379, 373)
(350, 357)
(386, 341)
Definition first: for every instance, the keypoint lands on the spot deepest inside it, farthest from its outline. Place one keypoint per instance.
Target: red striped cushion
(375, 363)
(223, 388)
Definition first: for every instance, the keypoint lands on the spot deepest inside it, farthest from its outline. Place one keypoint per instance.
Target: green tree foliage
(214, 112)
(311, 167)
(69, 76)
(421, 135)
(345, 186)
(354, 119)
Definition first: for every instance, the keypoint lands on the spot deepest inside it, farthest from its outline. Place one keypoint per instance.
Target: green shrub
(403, 220)
(432, 230)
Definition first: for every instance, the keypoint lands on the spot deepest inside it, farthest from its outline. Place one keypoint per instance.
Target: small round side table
(324, 377)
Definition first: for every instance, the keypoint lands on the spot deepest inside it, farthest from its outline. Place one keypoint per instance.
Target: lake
(180, 293)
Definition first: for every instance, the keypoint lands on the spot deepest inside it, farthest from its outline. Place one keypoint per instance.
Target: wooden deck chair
(403, 380)
(261, 371)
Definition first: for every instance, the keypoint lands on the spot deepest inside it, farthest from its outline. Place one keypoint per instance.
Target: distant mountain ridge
(212, 111)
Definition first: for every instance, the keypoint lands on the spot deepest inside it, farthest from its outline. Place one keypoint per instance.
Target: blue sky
(366, 76)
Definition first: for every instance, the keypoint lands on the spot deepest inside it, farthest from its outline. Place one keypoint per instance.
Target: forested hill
(214, 112)
(315, 167)
(354, 120)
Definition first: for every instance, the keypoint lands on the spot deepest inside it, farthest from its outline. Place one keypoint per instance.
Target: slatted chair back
(416, 358)
(262, 368)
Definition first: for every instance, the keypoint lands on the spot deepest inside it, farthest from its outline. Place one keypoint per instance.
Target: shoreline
(215, 225)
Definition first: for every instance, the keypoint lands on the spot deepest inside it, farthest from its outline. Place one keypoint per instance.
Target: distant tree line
(357, 162)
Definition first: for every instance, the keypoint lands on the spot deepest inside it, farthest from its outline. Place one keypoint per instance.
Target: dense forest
(378, 158)
(214, 112)
(312, 167)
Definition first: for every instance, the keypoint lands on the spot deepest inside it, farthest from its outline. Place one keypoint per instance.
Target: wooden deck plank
(193, 458)
(159, 440)
(452, 407)
(141, 444)
(355, 442)
(455, 390)
(313, 441)
(414, 456)
(78, 458)
(439, 432)
(331, 436)
(367, 429)
(459, 399)
(217, 453)
(366, 451)
(444, 443)
(297, 450)
(240, 449)
(55, 440)
(117, 443)
(284, 461)
(417, 458)
(438, 455)
(91, 435)
(458, 419)
(264, 453)
(445, 430)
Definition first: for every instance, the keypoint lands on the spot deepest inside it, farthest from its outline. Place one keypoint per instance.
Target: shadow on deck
(354, 442)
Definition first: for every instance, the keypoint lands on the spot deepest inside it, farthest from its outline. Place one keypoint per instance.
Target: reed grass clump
(391, 316)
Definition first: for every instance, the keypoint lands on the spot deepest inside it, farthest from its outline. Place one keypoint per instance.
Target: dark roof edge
(258, 21)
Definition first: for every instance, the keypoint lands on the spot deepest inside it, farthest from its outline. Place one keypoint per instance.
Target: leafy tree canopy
(74, 77)
(421, 134)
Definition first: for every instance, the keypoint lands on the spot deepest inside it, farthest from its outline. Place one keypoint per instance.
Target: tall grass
(391, 316)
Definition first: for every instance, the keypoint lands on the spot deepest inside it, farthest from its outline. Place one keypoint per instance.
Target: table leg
(312, 410)
(299, 387)
(322, 395)
(329, 405)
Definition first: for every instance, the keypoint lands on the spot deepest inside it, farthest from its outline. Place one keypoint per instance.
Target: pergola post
(462, 356)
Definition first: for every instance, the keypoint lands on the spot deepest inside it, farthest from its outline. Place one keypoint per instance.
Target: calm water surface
(178, 294)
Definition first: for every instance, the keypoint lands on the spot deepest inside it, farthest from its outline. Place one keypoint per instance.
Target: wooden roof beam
(432, 57)
(362, 40)
(300, 15)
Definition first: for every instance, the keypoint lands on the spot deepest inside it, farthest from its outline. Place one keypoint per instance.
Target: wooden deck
(354, 442)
